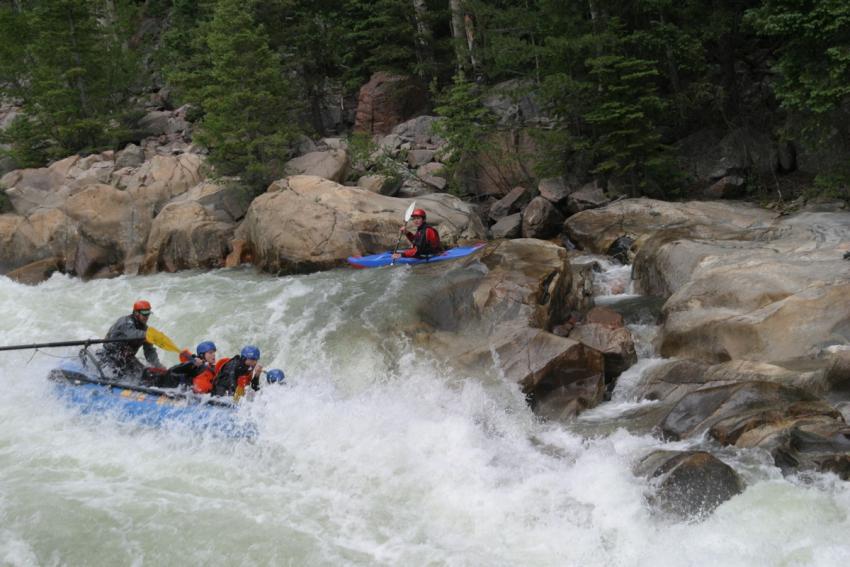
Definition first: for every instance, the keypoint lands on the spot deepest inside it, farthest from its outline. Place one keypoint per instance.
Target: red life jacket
(426, 242)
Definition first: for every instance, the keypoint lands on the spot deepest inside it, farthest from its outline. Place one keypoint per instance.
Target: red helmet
(418, 213)
(141, 305)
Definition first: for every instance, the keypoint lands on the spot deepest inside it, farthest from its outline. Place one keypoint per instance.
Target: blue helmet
(251, 352)
(205, 347)
(275, 375)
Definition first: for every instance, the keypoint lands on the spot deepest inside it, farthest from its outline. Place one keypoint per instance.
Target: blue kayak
(386, 258)
(82, 388)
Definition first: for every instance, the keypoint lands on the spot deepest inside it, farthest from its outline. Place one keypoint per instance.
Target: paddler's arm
(151, 356)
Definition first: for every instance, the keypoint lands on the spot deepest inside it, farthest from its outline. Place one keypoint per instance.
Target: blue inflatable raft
(83, 388)
(386, 258)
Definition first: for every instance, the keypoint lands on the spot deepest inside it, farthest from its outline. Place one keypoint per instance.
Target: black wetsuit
(228, 376)
(119, 359)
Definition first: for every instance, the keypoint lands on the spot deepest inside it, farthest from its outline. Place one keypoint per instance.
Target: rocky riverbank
(756, 304)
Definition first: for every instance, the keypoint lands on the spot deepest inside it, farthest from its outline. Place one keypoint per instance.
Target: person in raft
(119, 359)
(276, 376)
(196, 370)
(426, 240)
(235, 373)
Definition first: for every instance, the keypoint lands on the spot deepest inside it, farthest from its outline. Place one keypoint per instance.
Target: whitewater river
(374, 454)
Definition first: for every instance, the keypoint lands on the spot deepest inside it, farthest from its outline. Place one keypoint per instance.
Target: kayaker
(426, 239)
(119, 359)
(235, 373)
(196, 370)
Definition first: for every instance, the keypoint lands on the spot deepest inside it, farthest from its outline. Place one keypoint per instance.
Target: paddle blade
(409, 212)
(157, 338)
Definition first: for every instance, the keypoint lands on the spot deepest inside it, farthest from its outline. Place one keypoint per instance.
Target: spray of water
(374, 453)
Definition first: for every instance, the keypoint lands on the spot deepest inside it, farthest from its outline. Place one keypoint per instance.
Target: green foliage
(832, 185)
(28, 146)
(365, 155)
(73, 73)
(247, 124)
(813, 69)
(618, 78)
(183, 55)
(626, 141)
(466, 126)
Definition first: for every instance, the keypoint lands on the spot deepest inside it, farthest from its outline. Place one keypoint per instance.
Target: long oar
(152, 336)
(407, 214)
(66, 343)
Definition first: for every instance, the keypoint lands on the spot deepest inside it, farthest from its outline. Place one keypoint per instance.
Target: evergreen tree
(73, 81)
(248, 104)
(466, 126)
(813, 47)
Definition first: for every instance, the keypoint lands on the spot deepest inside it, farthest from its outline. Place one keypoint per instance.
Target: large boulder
(388, 100)
(522, 280)
(823, 446)
(689, 484)
(730, 411)
(671, 380)
(331, 164)
(163, 177)
(30, 189)
(767, 296)
(95, 219)
(305, 223)
(516, 199)
(45, 234)
(541, 219)
(419, 132)
(36, 272)
(492, 311)
(614, 342)
(187, 236)
(555, 190)
(709, 155)
(560, 376)
(508, 227)
(225, 203)
(590, 196)
(741, 282)
(109, 218)
(595, 230)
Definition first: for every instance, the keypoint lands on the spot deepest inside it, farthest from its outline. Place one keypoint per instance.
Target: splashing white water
(375, 454)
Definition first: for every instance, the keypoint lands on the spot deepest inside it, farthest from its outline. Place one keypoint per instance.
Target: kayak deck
(385, 258)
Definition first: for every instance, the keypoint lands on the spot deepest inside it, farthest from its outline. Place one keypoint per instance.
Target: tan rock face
(616, 345)
(741, 283)
(46, 234)
(186, 236)
(596, 229)
(784, 294)
(331, 164)
(521, 280)
(36, 272)
(76, 211)
(386, 101)
(306, 223)
(491, 310)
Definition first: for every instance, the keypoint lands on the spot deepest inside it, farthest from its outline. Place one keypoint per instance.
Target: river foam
(373, 454)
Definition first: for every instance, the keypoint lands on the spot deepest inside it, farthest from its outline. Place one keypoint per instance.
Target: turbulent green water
(374, 454)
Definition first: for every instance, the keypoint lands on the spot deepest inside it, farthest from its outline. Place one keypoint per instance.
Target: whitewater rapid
(374, 453)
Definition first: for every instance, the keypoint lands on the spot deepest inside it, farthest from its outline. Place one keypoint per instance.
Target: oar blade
(162, 341)
(409, 212)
